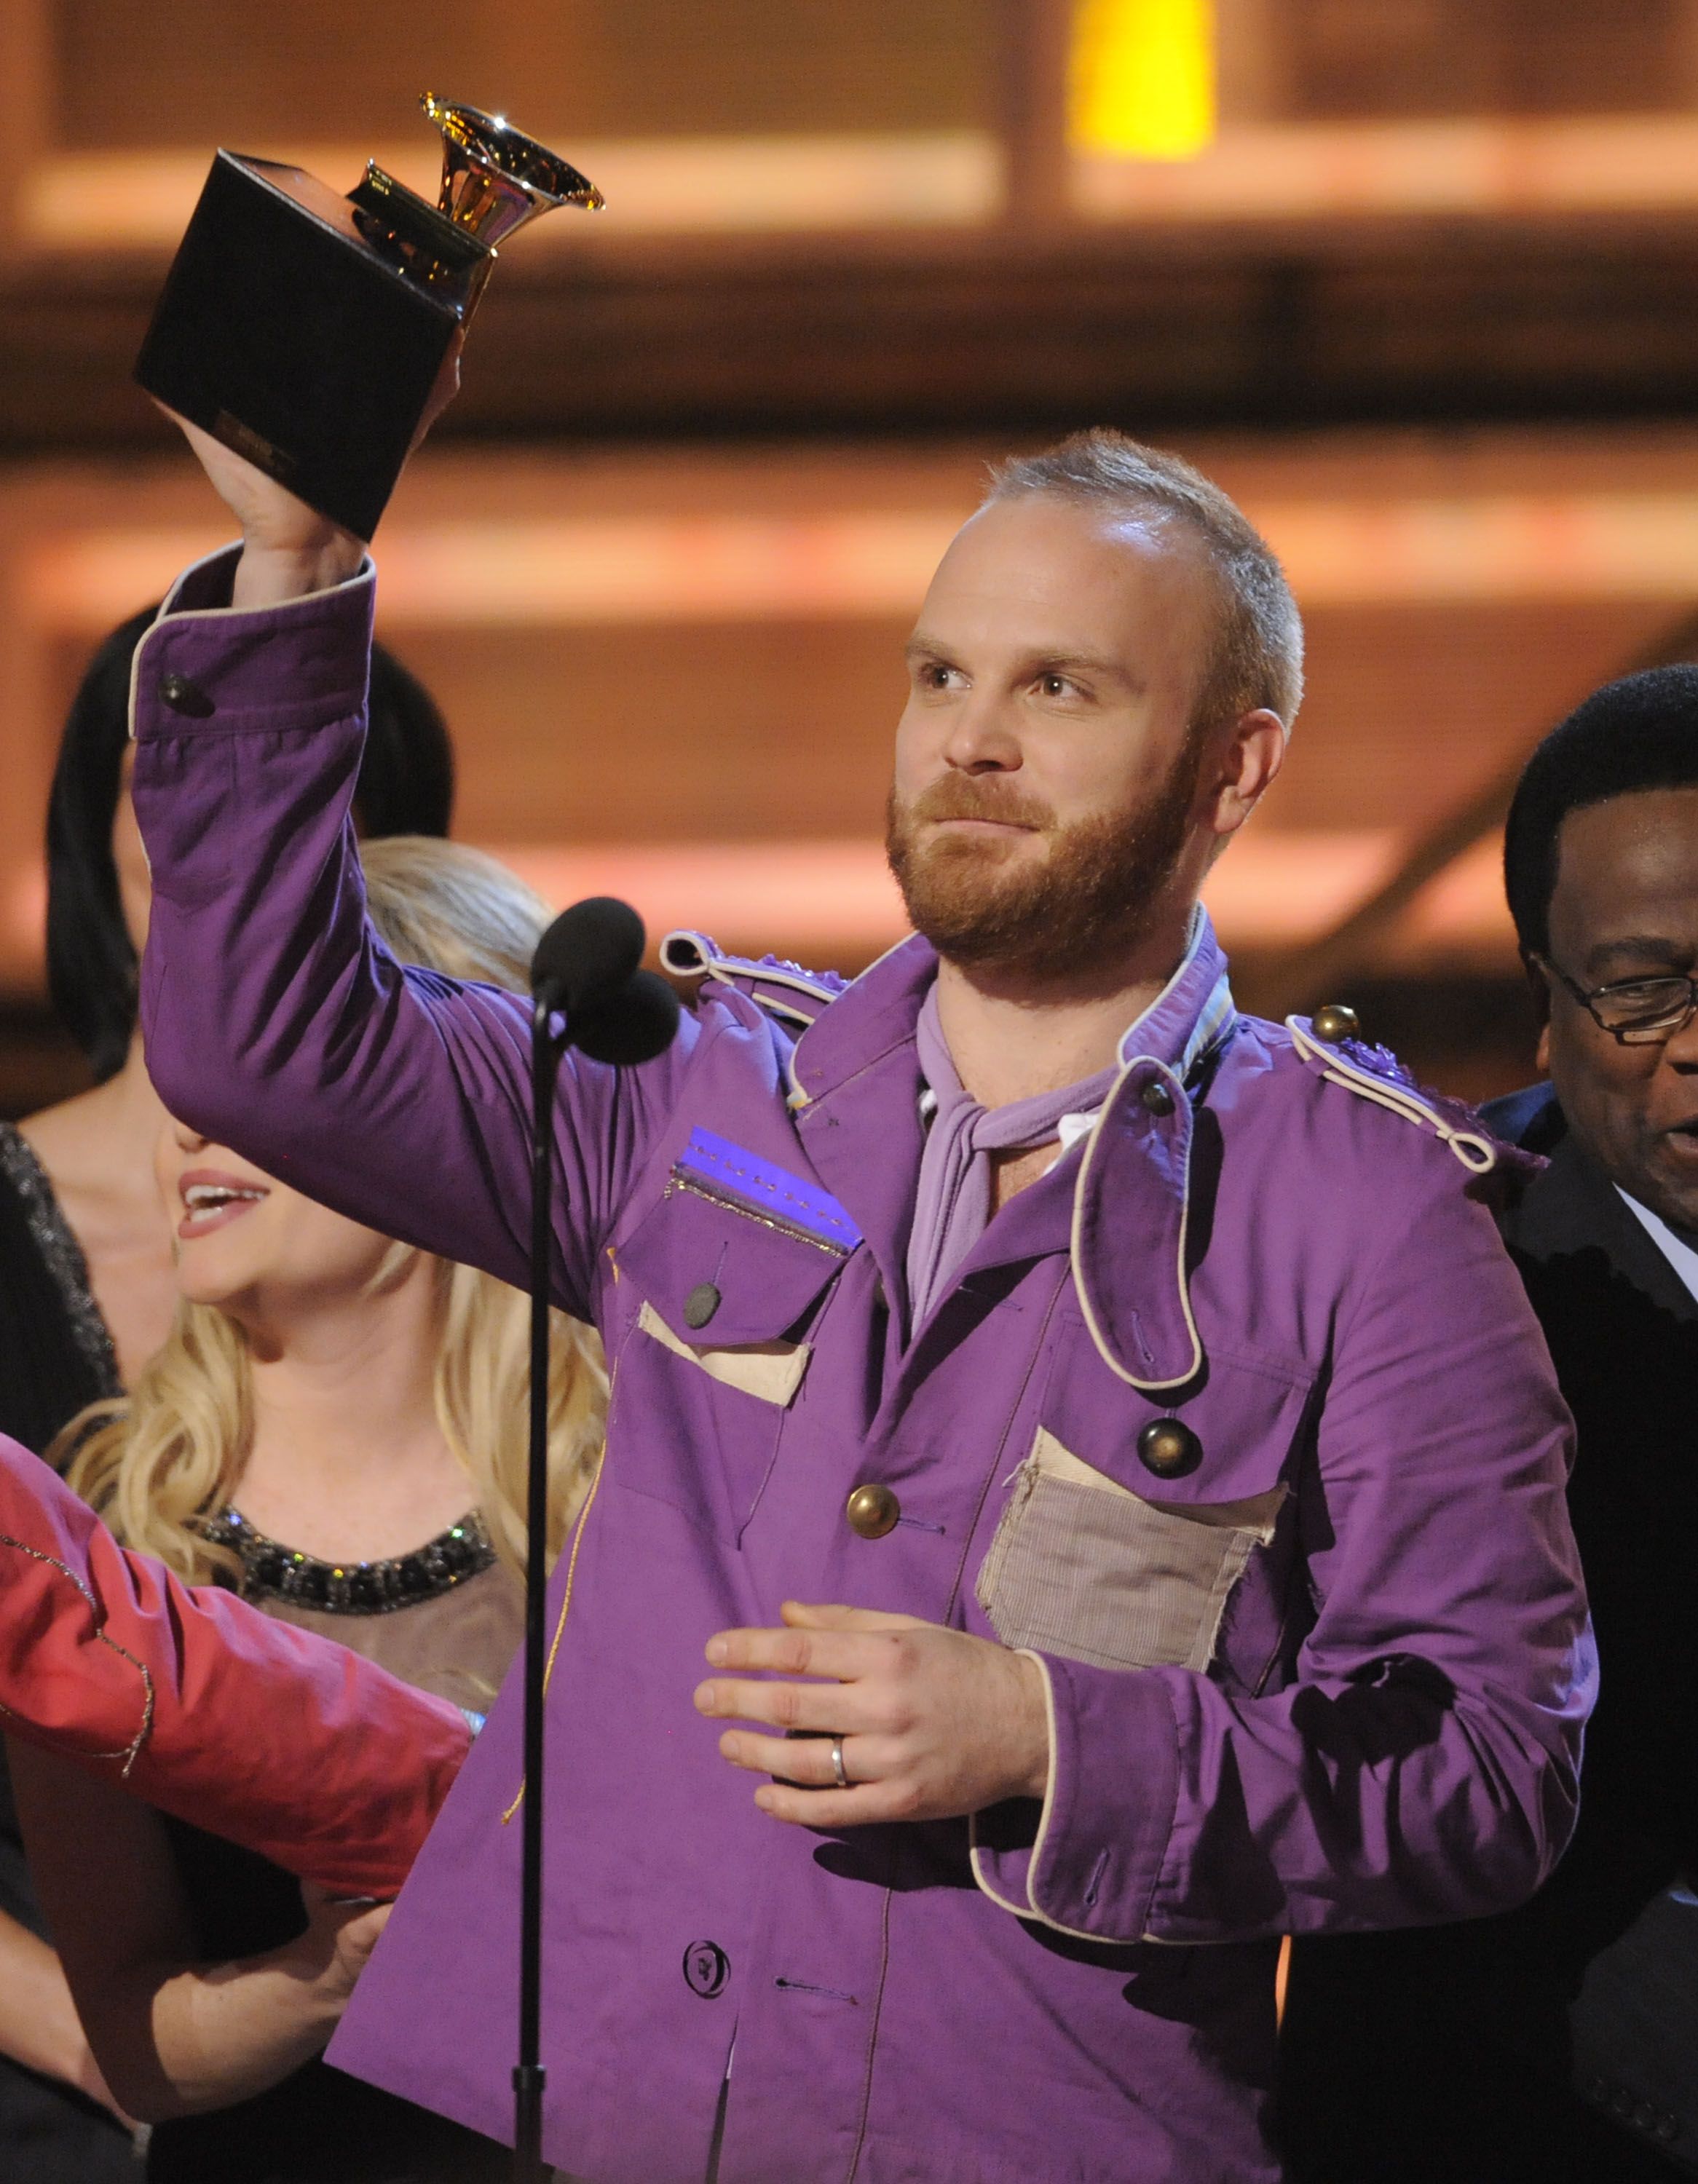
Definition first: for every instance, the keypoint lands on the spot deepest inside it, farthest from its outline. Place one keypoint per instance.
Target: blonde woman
(336, 1425)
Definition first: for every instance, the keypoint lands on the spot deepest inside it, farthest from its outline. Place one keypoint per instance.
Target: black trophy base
(293, 331)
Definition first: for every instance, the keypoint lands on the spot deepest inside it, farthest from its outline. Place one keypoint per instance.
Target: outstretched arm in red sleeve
(278, 1740)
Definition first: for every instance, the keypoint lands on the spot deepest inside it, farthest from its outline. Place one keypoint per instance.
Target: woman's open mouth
(212, 1201)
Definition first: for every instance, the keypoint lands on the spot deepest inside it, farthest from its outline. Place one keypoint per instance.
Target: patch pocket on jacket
(771, 1371)
(1082, 1566)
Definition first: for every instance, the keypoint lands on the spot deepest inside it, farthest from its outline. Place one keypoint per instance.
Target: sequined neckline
(62, 1255)
(271, 1571)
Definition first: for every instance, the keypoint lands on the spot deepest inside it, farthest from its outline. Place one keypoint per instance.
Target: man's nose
(1680, 1048)
(982, 737)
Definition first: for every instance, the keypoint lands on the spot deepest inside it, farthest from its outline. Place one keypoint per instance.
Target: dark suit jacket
(1443, 2056)
(1623, 1334)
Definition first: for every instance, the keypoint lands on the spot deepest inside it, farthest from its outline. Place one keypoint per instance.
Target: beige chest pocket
(771, 1371)
(1084, 1567)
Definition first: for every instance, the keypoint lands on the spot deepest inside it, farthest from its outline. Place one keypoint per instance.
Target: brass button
(1168, 1448)
(1157, 1097)
(183, 696)
(1336, 1021)
(872, 1510)
(701, 1305)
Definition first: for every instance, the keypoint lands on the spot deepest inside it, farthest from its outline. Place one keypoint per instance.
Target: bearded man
(1092, 1441)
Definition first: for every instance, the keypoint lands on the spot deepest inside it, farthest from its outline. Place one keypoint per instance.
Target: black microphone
(587, 969)
(587, 953)
(635, 1022)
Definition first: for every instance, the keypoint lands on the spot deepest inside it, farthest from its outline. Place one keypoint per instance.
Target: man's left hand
(935, 1724)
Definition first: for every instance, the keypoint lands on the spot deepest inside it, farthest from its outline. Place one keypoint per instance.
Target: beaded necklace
(271, 1570)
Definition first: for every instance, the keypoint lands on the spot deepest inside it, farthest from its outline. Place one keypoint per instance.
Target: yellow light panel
(1141, 79)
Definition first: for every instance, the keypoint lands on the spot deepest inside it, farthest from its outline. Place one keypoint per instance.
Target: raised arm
(250, 1728)
(275, 1022)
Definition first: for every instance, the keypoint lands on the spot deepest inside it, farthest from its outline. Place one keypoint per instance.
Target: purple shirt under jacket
(1333, 1677)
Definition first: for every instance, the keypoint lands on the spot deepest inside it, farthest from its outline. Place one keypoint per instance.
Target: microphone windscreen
(587, 954)
(632, 1025)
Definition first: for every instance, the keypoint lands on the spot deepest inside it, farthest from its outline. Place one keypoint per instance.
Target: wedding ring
(837, 1763)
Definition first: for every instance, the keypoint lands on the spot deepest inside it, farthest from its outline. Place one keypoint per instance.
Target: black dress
(55, 1352)
(55, 1356)
(447, 1619)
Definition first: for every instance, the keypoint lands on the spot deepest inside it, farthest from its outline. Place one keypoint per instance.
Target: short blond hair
(1258, 658)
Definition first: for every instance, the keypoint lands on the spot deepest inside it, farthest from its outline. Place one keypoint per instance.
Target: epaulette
(1374, 1072)
(773, 982)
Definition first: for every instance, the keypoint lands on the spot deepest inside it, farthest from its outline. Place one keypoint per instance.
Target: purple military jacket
(1332, 1676)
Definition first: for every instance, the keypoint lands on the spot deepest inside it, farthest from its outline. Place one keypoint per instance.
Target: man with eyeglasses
(1447, 2054)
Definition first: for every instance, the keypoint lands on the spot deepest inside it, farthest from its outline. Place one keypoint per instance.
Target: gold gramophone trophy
(306, 330)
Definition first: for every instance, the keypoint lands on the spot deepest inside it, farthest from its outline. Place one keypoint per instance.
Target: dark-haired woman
(87, 1285)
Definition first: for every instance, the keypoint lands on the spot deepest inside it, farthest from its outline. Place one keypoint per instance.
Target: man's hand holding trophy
(314, 335)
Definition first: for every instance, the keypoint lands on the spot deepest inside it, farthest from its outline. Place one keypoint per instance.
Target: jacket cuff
(205, 667)
(1089, 1864)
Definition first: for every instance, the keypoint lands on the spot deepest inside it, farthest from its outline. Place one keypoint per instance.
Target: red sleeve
(277, 1739)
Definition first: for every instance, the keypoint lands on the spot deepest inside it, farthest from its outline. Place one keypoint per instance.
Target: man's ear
(1253, 754)
(1539, 988)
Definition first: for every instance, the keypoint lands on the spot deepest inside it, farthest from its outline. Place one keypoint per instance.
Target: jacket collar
(874, 1013)
(1192, 1015)
(855, 1095)
(1128, 1182)
(1134, 1179)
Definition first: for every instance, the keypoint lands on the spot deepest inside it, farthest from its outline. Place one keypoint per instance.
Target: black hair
(405, 787)
(1639, 733)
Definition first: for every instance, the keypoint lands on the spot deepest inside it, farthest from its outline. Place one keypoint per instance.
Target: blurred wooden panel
(194, 71)
(186, 71)
(1592, 56)
(1409, 708)
(652, 734)
(992, 333)
(1358, 58)
(1393, 57)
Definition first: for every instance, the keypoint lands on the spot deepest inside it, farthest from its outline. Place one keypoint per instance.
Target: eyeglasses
(1636, 1012)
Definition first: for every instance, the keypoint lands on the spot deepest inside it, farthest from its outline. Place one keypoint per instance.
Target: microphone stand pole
(585, 969)
(529, 2074)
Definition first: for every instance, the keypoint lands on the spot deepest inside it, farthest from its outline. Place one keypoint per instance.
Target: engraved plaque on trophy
(306, 330)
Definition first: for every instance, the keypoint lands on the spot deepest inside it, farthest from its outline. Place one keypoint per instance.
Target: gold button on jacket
(873, 1511)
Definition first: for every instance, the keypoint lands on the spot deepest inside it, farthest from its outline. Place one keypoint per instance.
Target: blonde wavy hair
(160, 1463)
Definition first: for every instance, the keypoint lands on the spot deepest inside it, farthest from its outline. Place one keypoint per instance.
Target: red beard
(1093, 895)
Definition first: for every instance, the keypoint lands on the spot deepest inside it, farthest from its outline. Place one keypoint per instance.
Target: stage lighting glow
(1141, 79)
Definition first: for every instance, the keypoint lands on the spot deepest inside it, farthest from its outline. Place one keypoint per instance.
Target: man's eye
(1054, 686)
(1641, 1000)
